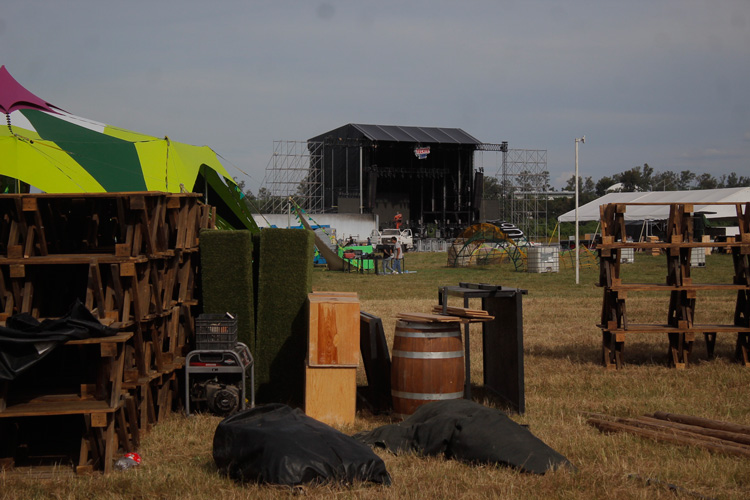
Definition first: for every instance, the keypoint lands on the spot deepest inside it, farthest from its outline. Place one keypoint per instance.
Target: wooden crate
(331, 394)
(333, 338)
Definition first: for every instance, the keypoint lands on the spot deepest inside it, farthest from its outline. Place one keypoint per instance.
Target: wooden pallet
(680, 328)
(131, 258)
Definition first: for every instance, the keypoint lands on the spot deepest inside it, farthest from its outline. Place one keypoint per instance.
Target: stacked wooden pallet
(131, 258)
(678, 246)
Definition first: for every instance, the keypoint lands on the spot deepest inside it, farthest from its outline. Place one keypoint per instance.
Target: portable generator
(215, 371)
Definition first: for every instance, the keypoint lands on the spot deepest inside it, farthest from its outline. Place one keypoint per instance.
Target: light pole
(578, 255)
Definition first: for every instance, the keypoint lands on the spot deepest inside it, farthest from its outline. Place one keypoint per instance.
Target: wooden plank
(84, 465)
(98, 419)
(334, 294)
(664, 328)
(95, 292)
(108, 350)
(3, 394)
(460, 311)
(28, 296)
(437, 318)
(331, 394)
(40, 409)
(40, 229)
(17, 271)
(15, 251)
(181, 226)
(132, 419)
(29, 204)
(108, 444)
(70, 259)
(670, 437)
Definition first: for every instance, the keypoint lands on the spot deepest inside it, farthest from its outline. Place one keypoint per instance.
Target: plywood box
(333, 338)
(331, 394)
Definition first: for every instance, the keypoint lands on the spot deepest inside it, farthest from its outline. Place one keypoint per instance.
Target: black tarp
(24, 341)
(276, 444)
(467, 431)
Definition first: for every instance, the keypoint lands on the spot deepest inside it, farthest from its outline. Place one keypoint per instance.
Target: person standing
(387, 259)
(398, 254)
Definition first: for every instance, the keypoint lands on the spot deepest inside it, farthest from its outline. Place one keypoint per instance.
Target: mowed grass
(564, 379)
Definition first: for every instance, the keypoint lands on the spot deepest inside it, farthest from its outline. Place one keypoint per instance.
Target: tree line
(647, 179)
(639, 178)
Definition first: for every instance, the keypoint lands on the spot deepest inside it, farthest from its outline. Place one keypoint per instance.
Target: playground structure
(336, 257)
(485, 244)
(482, 244)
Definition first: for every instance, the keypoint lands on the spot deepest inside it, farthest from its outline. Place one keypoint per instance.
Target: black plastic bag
(467, 431)
(277, 444)
(24, 341)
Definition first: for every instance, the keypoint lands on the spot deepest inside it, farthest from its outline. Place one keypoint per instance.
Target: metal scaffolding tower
(524, 181)
(288, 174)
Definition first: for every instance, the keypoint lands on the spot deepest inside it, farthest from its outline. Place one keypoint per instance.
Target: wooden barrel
(427, 364)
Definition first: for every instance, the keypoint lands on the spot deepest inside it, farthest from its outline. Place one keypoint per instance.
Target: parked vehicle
(403, 237)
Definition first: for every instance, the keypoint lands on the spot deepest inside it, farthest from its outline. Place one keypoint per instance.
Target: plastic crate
(215, 332)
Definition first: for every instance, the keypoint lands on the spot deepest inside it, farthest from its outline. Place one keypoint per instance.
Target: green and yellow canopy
(57, 152)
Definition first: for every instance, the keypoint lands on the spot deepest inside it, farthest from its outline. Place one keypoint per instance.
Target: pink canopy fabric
(14, 96)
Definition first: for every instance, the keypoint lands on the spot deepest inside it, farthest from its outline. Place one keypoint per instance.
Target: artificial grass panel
(284, 280)
(256, 273)
(227, 278)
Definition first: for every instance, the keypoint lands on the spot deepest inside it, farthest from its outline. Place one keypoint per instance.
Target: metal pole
(578, 253)
(361, 202)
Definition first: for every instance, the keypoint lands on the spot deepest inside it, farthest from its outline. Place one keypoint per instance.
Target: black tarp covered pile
(467, 431)
(24, 341)
(277, 444)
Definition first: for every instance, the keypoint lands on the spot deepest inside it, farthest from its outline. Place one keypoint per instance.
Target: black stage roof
(396, 133)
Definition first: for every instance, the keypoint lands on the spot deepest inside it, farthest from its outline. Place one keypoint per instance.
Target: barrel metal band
(424, 396)
(427, 355)
(428, 335)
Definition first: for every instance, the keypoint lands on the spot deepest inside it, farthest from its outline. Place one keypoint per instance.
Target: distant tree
(665, 181)
(706, 181)
(686, 180)
(646, 178)
(492, 189)
(648, 172)
(558, 206)
(733, 180)
(637, 178)
(603, 184)
(586, 188)
(527, 181)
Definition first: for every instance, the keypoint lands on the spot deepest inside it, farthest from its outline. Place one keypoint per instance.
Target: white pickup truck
(403, 236)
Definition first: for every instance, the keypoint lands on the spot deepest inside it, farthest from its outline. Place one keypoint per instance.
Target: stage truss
(522, 174)
(524, 179)
(288, 174)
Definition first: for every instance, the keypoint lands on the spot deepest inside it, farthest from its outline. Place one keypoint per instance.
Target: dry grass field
(564, 379)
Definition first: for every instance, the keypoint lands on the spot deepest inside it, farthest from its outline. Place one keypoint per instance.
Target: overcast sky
(646, 81)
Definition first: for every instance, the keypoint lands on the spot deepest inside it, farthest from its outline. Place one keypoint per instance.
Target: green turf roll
(227, 278)
(284, 280)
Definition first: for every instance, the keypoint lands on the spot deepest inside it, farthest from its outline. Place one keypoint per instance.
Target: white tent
(590, 211)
